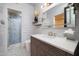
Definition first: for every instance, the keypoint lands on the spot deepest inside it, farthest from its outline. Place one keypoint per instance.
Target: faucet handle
(50, 33)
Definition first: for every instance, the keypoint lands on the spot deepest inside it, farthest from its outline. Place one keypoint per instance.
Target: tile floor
(20, 49)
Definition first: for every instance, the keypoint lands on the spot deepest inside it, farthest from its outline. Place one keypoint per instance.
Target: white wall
(27, 17)
(2, 27)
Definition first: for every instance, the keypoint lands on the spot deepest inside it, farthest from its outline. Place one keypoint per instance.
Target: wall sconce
(36, 13)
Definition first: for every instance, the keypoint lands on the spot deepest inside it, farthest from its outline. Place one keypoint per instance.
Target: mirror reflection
(60, 16)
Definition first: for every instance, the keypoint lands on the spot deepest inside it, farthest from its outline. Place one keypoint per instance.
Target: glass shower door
(14, 29)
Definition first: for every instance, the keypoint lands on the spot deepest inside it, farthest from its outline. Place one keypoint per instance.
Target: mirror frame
(65, 15)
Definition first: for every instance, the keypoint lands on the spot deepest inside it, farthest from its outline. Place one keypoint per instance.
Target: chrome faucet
(51, 34)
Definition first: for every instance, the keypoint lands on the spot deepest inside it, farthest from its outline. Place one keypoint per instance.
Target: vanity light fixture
(37, 12)
(45, 5)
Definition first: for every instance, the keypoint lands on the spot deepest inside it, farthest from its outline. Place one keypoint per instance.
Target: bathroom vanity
(43, 45)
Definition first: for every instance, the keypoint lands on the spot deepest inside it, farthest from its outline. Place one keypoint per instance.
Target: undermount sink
(51, 36)
(47, 36)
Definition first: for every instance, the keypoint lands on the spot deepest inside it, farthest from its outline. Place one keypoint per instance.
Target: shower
(14, 28)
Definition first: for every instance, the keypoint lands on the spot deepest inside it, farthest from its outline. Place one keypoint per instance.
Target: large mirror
(60, 16)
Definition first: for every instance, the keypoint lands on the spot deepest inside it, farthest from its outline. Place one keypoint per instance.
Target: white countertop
(59, 42)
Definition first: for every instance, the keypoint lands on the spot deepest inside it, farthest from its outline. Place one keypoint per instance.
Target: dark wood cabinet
(40, 48)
